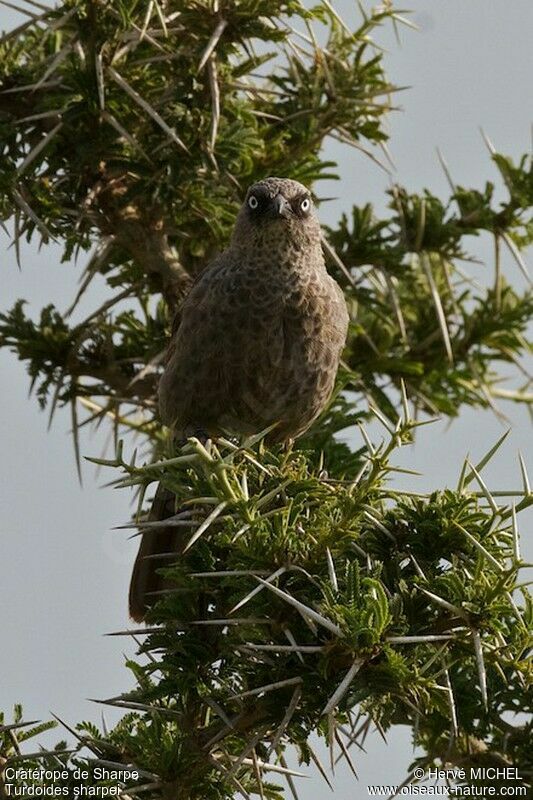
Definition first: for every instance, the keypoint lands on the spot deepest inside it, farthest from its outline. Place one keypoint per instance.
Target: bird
(256, 343)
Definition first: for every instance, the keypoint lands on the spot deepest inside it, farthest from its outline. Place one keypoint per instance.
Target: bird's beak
(281, 207)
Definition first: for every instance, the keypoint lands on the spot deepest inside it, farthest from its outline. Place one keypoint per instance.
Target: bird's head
(278, 211)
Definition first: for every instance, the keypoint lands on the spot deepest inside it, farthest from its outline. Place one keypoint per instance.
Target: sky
(63, 571)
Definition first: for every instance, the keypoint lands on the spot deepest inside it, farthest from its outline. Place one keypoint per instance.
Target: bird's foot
(192, 432)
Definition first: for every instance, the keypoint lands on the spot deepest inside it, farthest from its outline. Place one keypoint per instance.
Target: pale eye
(252, 202)
(305, 205)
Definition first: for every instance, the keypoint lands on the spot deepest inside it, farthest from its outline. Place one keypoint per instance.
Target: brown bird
(257, 341)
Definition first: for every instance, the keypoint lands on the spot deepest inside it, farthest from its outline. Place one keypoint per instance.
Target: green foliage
(185, 109)
(301, 602)
(418, 317)
(379, 607)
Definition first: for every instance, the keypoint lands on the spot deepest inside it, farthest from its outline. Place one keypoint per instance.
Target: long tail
(145, 580)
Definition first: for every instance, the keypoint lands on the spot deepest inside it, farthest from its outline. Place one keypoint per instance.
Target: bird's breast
(259, 342)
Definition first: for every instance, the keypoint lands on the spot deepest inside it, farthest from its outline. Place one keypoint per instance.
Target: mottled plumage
(257, 341)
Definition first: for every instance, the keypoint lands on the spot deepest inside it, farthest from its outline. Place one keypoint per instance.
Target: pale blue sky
(64, 573)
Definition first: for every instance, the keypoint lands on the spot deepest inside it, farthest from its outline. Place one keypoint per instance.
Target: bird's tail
(146, 581)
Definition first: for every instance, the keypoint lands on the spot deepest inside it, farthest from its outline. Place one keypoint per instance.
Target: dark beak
(281, 207)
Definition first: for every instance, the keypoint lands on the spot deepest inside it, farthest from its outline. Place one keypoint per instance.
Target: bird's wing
(197, 377)
(178, 314)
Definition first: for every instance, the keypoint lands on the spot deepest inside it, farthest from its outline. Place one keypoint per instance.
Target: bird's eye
(253, 202)
(305, 205)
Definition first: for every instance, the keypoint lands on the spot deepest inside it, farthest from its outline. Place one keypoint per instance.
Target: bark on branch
(141, 230)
